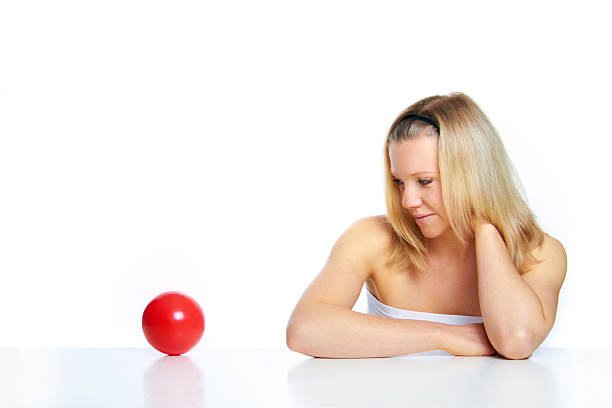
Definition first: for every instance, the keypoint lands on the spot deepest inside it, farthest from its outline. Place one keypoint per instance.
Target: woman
(457, 264)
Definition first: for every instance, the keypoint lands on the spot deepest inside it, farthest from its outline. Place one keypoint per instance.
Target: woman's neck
(447, 247)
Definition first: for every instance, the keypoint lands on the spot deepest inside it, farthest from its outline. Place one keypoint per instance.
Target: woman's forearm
(335, 332)
(507, 303)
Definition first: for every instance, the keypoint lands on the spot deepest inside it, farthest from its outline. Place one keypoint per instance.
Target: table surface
(81, 377)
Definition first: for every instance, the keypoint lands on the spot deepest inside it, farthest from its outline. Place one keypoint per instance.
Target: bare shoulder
(556, 252)
(375, 225)
(551, 249)
(374, 233)
(352, 260)
(366, 241)
(555, 244)
(553, 259)
(546, 279)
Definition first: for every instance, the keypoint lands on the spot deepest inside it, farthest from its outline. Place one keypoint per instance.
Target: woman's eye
(422, 182)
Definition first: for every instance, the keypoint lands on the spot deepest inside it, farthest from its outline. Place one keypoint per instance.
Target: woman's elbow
(517, 347)
(298, 340)
(292, 337)
(512, 354)
(295, 336)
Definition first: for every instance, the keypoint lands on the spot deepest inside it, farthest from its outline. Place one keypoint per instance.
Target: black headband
(424, 119)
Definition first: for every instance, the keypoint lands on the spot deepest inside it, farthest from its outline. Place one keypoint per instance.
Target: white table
(281, 378)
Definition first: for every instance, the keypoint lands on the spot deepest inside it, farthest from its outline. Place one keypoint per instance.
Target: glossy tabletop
(551, 377)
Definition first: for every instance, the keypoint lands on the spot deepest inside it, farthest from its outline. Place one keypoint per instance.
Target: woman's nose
(411, 198)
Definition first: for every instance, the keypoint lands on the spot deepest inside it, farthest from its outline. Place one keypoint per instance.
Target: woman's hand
(467, 340)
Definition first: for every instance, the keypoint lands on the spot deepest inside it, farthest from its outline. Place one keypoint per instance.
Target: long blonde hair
(476, 176)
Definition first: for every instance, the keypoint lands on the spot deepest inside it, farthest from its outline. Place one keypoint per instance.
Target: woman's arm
(323, 323)
(332, 331)
(518, 311)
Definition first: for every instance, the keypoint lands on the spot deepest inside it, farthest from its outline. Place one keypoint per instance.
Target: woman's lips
(424, 219)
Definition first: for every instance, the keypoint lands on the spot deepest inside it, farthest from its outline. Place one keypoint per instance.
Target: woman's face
(414, 165)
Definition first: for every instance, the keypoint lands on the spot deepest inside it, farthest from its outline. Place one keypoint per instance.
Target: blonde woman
(457, 264)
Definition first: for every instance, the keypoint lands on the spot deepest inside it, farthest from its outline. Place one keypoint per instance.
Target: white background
(220, 148)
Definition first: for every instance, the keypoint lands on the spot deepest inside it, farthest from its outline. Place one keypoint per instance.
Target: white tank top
(377, 308)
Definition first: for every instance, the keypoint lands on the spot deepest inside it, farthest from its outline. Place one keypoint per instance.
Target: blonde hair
(476, 176)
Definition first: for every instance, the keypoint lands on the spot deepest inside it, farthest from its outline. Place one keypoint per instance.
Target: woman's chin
(428, 233)
(431, 233)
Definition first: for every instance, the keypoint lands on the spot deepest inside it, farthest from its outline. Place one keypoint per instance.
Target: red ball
(173, 323)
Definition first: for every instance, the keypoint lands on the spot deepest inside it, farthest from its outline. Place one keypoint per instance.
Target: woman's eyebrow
(417, 173)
